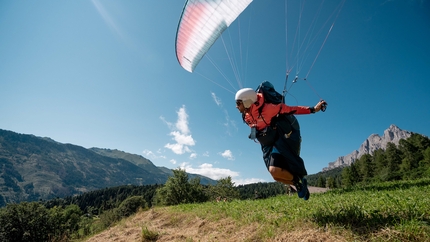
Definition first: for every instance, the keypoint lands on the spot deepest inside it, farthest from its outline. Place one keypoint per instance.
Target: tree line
(62, 219)
(409, 160)
(75, 217)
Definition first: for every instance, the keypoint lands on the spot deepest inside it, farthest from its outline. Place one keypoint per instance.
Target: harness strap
(260, 110)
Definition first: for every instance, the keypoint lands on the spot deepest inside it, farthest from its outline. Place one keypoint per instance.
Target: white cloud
(160, 152)
(208, 170)
(229, 124)
(166, 122)
(173, 161)
(193, 155)
(227, 154)
(149, 154)
(247, 181)
(182, 138)
(216, 99)
(206, 154)
(182, 123)
(181, 134)
(178, 149)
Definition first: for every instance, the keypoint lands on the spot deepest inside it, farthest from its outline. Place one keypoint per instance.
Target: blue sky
(104, 74)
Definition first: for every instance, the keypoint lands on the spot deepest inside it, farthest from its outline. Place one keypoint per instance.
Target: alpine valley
(35, 168)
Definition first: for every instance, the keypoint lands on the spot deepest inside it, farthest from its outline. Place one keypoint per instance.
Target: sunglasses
(238, 102)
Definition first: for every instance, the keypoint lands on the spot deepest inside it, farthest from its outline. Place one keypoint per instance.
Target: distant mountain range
(393, 134)
(34, 168)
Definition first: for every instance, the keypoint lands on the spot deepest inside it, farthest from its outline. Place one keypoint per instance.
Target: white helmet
(247, 95)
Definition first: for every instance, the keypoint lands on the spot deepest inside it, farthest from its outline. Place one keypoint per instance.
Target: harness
(270, 133)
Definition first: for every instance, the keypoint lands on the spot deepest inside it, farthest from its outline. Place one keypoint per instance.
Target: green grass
(149, 235)
(390, 211)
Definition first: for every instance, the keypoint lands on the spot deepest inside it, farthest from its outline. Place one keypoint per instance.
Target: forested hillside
(75, 216)
(34, 168)
(407, 161)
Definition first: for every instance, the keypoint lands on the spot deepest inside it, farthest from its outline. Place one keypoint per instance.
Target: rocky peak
(393, 134)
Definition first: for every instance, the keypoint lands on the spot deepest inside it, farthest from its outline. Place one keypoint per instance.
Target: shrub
(131, 205)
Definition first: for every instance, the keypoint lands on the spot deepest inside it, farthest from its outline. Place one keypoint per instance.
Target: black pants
(285, 154)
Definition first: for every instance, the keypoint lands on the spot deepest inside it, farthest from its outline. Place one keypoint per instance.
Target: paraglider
(272, 123)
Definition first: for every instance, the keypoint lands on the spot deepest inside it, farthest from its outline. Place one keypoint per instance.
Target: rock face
(393, 134)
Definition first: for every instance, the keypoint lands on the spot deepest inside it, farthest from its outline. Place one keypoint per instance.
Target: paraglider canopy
(200, 25)
(203, 22)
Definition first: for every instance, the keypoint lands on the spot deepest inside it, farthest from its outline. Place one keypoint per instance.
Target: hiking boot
(305, 186)
(302, 188)
(308, 194)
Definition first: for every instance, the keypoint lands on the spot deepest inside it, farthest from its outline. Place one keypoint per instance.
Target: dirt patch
(185, 227)
(317, 189)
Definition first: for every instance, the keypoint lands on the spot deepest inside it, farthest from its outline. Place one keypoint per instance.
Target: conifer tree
(321, 181)
(365, 167)
(394, 159)
(330, 182)
(178, 190)
(224, 189)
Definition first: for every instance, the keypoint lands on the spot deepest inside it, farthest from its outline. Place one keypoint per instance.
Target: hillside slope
(34, 168)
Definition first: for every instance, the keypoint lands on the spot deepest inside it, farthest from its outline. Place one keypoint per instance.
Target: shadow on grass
(362, 223)
(384, 186)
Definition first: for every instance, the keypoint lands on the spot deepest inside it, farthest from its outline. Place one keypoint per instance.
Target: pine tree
(410, 159)
(224, 189)
(394, 159)
(425, 163)
(381, 172)
(365, 167)
(330, 182)
(321, 181)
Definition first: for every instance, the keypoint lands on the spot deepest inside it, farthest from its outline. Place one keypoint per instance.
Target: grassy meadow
(390, 211)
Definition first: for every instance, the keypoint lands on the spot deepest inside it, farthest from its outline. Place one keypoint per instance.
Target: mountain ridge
(40, 168)
(35, 168)
(145, 163)
(393, 134)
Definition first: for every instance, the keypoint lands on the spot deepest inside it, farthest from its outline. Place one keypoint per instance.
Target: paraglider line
(219, 70)
(313, 89)
(340, 6)
(215, 83)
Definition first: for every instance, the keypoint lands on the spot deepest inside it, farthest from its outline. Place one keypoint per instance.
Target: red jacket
(261, 120)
